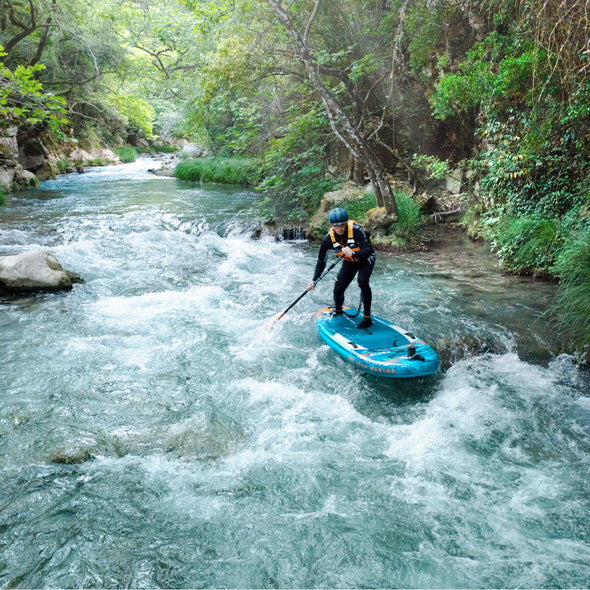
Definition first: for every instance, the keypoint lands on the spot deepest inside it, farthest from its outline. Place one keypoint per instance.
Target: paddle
(306, 291)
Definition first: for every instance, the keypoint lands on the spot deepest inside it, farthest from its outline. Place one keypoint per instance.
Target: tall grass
(358, 208)
(405, 232)
(244, 171)
(410, 218)
(157, 148)
(572, 304)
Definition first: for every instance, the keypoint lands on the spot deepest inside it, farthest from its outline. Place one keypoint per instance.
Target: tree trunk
(357, 171)
(352, 137)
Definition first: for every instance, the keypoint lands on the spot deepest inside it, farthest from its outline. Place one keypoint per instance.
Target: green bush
(296, 166)
(431, 166)
(2, 198)
(156, 148)
(357, 208)
(524, 245)
(241, 171)
(163, 148)
(410, 219)
(535, 163)
(126, 154)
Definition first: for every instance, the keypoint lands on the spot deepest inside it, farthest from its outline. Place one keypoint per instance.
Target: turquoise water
(154, 432)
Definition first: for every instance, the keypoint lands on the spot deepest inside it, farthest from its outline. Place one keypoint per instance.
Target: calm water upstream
(153, 433)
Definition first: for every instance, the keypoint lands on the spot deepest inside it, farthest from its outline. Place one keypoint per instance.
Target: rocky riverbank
(29, 155)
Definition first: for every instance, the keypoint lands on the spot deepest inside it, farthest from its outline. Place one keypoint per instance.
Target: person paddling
(351, 242)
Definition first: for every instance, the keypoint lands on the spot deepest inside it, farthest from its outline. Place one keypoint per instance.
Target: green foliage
(432, 165)
(138, 113)
(163, 148)
(225, 111)
(126, 154)
(429, 32)
(24, 100)
(62, 166)
(410, 219)
(572, 305)
(241, 171)
(296, 164)
(357, 208)
(2, 198)
(534, 165)
(485, 81)
(524, 245)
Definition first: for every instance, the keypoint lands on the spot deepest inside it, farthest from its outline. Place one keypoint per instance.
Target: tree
(24, 24)
(116, 65)
(23, 100)
(352, 133)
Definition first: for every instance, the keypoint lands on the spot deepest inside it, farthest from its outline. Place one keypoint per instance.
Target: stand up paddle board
(382, 349)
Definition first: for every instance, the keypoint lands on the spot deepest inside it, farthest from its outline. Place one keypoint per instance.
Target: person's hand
(311, 286)
(348, 252)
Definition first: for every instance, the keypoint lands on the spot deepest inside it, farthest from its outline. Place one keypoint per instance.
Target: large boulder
(379, 220)
(6, 178)
(80, 156)
(38, 152)
(8, 157)
(454, 181)
(192, 150)
(23, 178)
(107, 155)
(33, 271)
(8, 145)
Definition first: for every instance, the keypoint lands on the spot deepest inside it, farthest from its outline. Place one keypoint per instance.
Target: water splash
(153, 433)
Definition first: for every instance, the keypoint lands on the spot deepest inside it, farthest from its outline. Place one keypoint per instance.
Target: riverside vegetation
(296, 98)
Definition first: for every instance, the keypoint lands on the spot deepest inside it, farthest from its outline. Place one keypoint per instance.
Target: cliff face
(29, 154)
(13, 175)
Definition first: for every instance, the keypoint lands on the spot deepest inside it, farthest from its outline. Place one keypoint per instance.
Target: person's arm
(364, 244)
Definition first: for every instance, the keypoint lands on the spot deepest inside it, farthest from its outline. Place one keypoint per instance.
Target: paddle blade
(279, 317)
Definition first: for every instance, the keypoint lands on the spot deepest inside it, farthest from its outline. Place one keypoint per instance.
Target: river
(154, 432)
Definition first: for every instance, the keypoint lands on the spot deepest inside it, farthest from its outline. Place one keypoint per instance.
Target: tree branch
(314, 13)
(26, 30)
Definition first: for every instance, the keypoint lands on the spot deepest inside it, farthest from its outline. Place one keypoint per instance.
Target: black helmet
(338, 216)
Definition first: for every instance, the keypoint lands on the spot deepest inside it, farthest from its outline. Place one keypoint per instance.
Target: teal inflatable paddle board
(382, 349)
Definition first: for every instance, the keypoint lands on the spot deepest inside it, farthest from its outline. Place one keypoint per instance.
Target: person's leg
(344, 278)
(365, 270)
(363, 280)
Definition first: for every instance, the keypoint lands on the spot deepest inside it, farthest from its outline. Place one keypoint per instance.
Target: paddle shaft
(306, 291)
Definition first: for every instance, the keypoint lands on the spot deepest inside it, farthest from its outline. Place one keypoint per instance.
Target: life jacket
(350, 241)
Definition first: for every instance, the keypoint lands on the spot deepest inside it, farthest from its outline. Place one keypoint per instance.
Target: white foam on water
(157, 434)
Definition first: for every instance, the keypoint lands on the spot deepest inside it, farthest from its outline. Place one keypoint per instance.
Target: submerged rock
(33, 271)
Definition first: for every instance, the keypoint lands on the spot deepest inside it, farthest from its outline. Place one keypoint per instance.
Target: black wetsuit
(364, 263)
